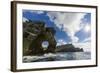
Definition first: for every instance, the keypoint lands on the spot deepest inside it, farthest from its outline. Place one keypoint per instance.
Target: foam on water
(62, 56)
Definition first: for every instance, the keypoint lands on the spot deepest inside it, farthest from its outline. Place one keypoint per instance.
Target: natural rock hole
(45, 45)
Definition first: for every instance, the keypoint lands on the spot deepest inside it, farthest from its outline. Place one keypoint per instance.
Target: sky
(71, 27)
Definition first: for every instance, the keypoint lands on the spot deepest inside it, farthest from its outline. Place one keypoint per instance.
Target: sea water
(60, 56)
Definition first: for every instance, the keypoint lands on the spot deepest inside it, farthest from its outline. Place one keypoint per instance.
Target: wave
(62, 56)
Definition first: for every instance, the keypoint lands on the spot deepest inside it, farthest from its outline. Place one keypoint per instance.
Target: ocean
(60, 56)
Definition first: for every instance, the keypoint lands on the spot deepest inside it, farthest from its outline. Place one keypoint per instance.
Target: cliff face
(68, 48)
(36, 32)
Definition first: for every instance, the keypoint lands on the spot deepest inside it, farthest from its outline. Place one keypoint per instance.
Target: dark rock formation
(39, 33)
(68, 48)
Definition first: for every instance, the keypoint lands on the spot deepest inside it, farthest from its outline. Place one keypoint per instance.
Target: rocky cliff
(68, 48)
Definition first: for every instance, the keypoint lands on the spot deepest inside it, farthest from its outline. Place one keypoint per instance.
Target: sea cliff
(68, 48)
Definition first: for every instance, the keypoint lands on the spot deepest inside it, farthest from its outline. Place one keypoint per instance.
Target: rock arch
(36, 45)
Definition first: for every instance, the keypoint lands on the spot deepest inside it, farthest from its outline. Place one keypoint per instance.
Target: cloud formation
(38, 12)
(72, 22)
(87, 40)
(61, 42)
(86, 45)
(24, 19)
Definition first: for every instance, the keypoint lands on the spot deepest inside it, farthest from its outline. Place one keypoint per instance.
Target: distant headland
(68, 48)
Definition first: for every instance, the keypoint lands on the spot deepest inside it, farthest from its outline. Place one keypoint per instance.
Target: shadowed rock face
(40, 33)
(68, 48)
(36, 44)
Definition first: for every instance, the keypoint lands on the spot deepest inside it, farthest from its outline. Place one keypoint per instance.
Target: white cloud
(24, 19)
(74, 39)
(61, 42)
(87, 39)
(72, 22)
(86, 45)
(38, 12)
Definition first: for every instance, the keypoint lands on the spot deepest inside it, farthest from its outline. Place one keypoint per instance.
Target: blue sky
(71, 27)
